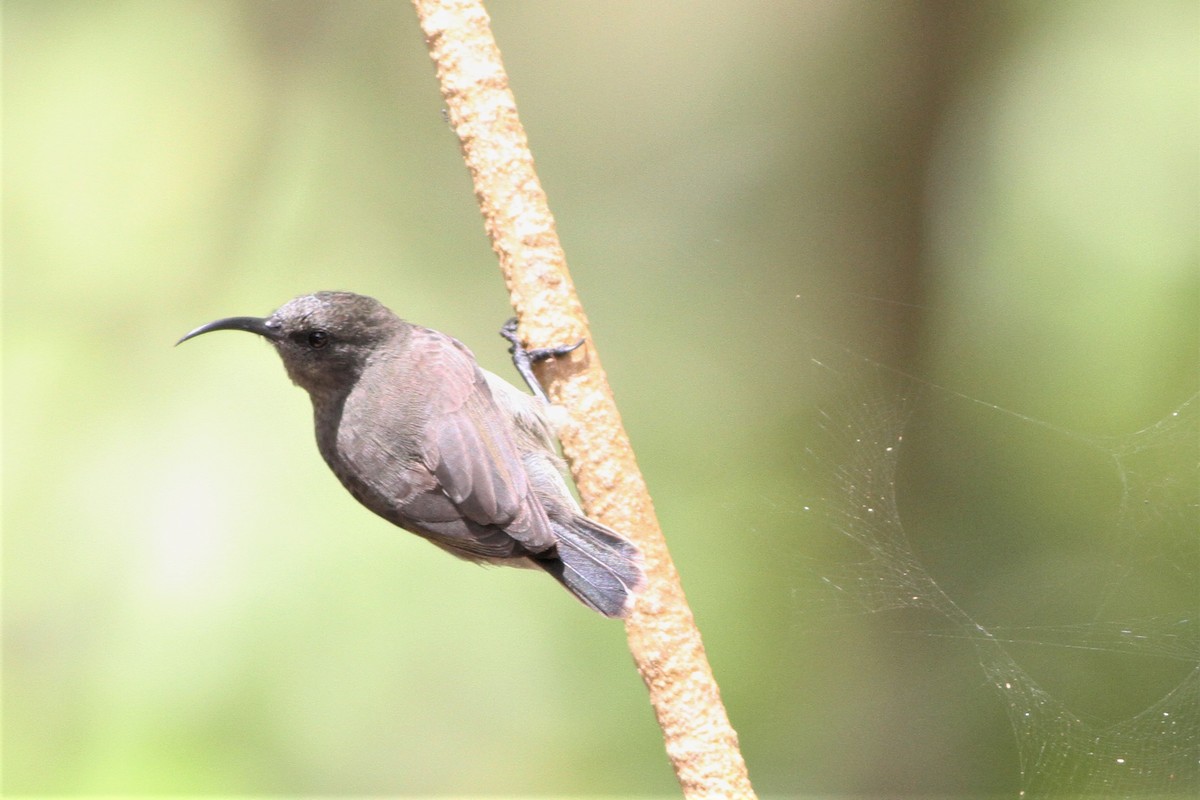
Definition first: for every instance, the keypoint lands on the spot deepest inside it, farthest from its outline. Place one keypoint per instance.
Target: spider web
(1146, 557)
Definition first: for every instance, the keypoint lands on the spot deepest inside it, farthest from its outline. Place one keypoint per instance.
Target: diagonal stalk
(662, 633)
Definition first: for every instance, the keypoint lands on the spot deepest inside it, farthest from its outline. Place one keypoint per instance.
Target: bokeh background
(773, 213)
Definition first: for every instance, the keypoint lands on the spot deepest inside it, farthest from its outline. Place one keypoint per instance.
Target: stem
(662, 633)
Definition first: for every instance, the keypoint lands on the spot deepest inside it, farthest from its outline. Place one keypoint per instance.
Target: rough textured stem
(662, 634)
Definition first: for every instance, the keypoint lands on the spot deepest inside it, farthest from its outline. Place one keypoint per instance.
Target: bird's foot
(524, 359)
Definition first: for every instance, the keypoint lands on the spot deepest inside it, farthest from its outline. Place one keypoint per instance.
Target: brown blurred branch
(662, 634)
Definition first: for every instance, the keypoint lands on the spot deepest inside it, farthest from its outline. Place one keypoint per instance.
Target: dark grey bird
(425, 438)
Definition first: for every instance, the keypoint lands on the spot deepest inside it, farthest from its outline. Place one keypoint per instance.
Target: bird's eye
(317, 339)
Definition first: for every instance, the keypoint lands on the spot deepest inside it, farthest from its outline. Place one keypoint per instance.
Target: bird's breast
(375, 451)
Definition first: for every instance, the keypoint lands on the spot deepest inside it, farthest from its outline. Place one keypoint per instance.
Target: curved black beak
(257, 325)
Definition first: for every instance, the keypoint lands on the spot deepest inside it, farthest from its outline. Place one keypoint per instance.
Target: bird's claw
(524, 359)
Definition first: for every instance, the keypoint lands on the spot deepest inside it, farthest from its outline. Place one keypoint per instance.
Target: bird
(424, 437)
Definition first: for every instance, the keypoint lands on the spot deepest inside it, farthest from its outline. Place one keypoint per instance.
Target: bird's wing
(470, 448)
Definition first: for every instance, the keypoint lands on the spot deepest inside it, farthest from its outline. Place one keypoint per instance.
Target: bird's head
(325, 339)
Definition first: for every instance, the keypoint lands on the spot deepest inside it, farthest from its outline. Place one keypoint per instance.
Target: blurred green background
(998, 198)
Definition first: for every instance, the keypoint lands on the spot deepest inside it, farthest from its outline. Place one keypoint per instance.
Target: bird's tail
(601, 568)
